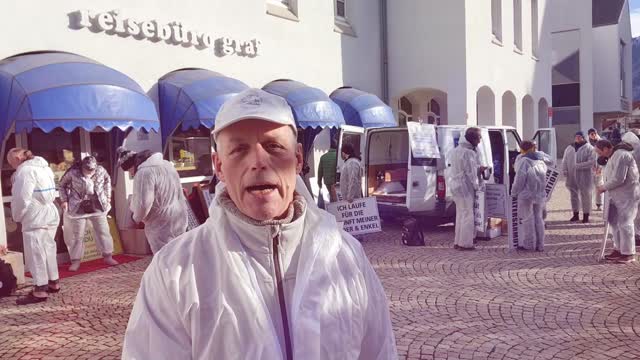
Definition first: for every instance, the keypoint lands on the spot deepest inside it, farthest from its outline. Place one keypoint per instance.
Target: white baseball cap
(254, 104)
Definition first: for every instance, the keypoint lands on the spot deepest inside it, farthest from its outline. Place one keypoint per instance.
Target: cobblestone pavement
(446, 304)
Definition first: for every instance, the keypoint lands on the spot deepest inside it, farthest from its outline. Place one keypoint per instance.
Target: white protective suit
(215, 294)
(621, 181)
(351, 179)
(577, 167)
(529, 187)
(463, 181)
(158, 201)
(633, 140)
(33, 194)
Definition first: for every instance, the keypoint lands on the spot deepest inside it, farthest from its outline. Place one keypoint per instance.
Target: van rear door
(546, 140)
(386, 165)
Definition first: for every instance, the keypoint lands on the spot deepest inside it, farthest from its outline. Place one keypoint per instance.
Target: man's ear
(299, 157)
(217, 162)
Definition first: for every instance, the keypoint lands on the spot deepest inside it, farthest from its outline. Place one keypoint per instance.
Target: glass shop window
(7, 170)
(60, 148)
(190, 152)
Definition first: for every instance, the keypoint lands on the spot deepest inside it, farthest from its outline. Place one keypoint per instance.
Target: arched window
(405, 113)
(433, 115)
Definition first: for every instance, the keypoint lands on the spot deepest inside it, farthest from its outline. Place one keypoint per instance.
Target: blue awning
(47, 90)
(312, 108)
(189, 98)
(363, 109)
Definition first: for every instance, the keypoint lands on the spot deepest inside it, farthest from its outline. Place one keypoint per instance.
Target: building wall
(501, 67)
(624, 32)
(606, 66)
(427, 52)
(575, 15)
(308, 50)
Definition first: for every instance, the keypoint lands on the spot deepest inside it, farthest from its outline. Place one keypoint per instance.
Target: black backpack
(8, 281)
(412, 233)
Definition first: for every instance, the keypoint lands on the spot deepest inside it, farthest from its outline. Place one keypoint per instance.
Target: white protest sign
(358, 217)
(496, 201)
(552, 180)
(479, 218)
(514, 221)
(422, 138)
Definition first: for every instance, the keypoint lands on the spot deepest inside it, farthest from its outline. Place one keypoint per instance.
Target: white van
(405, 185)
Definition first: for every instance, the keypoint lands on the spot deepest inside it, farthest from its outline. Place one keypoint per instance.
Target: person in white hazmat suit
(269, 275)
(633, 140)
(463, 180)
(621, 182)
(529, 187)
(578, 165)
(33, 193)
(158, 200)
(85, 192)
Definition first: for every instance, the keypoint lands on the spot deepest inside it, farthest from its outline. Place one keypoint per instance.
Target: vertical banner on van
(422, 138)
(514, 221)
(479, 216)
(552, 180)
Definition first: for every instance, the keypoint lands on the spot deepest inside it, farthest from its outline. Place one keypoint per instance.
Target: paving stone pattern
(445, 304)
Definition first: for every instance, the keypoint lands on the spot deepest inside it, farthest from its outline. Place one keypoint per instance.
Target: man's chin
(264, 213)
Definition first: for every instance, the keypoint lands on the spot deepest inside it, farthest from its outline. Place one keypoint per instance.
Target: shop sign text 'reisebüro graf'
(173, 33)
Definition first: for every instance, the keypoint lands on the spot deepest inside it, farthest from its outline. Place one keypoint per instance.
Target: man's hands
(600, 189)
(65, 206)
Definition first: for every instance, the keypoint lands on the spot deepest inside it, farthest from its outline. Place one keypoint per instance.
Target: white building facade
(471, 62)
(591, 65)
(485, 62)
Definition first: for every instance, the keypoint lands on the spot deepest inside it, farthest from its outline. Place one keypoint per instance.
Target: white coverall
(529, 188)
(33, 193)
(158, 201)
(577, 167)
(351, 179)
(217, 293)
(632, 139)
(621, 181)
(463, 181)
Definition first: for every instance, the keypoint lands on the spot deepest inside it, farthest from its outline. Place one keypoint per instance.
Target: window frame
(623, 73)
(517, 25)
(286, 9)
(496, 20)
(535, 28)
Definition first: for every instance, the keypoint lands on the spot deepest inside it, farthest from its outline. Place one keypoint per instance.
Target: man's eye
(274, 146)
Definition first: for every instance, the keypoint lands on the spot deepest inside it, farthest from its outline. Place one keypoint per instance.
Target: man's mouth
(261, 189)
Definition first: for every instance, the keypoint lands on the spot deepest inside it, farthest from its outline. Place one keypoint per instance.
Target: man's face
(259, 161)
(606, 152)
(579, 139)
(592, 136)
(88, 173)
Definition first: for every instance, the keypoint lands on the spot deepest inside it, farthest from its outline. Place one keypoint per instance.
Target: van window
(513, 142)
(497, 150)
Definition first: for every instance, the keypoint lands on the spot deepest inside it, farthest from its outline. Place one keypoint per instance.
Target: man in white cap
(269, 275)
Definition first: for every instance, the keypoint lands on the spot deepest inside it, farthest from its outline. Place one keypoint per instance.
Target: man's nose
(259, 158)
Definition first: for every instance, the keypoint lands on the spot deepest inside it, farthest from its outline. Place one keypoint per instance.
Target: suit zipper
(281, 299)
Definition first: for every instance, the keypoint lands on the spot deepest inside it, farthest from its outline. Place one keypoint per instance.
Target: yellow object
(90, 249)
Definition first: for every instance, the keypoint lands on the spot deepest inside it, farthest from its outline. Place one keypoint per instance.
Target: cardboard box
(395, 175)
(16, 261)
(135, 242)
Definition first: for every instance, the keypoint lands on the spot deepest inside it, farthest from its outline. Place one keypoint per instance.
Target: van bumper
(441, 210)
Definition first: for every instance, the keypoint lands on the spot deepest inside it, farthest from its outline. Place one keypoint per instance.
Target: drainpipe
(384, 60)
